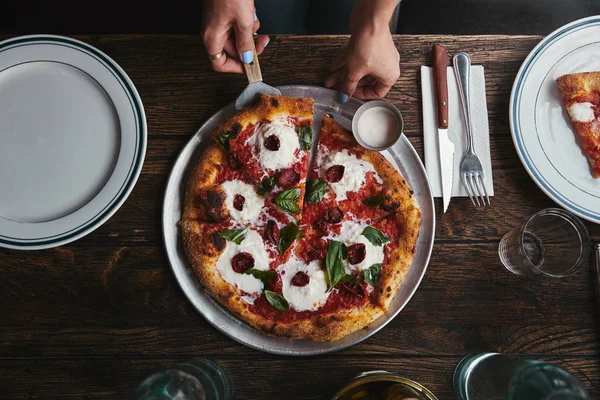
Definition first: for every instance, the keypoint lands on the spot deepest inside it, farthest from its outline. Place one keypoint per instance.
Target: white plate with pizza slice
(73, 139)
(542, 130)
(402, 156)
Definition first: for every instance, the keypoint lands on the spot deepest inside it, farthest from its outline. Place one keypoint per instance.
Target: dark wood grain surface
(92, 318)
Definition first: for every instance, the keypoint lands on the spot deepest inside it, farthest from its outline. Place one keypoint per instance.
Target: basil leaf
(278, 302)
(375, 200)
(333, 263)
(344, 251)
(374, 236)
(305, 137)
(288, 200)
(316, 191)
(266, 185)
(372, 274)
(236, 236)
(287, 236)
(224, 137)
(264, 276)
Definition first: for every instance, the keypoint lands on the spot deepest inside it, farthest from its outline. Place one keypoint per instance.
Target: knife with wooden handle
(446, 147)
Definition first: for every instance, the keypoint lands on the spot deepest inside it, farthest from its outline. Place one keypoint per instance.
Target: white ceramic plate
(72, 140)
(540, 126)
(402, 155)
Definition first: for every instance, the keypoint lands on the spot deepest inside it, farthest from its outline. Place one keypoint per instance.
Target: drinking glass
(552, 243)
(494, 376)
(196, 379)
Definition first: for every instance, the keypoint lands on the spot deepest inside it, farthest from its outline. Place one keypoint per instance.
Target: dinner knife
(446, 147)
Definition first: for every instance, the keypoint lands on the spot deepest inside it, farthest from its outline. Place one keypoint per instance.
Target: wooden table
(93, 318)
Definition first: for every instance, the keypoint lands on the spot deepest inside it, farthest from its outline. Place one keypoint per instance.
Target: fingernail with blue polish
(247, 58)
(255, 17)
(342, 97)
(267, 42)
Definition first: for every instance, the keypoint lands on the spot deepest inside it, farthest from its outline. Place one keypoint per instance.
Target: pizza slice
(270, 143)
(581, 96)
(349, 181)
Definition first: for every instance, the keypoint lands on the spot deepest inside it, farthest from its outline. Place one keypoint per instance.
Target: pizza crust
(572, 85)
(267, 108)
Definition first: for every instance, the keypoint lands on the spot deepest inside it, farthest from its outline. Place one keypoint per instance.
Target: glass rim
(577, 225)
(385, 376)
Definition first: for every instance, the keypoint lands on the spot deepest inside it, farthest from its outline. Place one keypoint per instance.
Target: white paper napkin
(456, 129)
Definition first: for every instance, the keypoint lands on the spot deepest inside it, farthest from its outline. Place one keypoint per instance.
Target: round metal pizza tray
(402, 155)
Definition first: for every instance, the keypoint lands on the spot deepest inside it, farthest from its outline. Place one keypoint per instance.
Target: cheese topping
(355, 171)
(252, 244)
(582, 112)
(253, 203)
(288, 145)
(350, 234)
(309, 297)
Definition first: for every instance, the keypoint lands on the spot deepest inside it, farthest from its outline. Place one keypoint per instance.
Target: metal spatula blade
(248, 96)
(255, 84)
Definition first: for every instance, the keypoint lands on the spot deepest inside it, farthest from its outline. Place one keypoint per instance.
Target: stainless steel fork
(471, 171)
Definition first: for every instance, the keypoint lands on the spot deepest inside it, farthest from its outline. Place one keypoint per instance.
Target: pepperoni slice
(333, 215)
(335, 173)
(316, 254)
(319, 224)
(242, 262)
(272, 143)
(234, 161)
(272, 232)
(238, 202)
(288, 178)
(300, 279)
(356, 253)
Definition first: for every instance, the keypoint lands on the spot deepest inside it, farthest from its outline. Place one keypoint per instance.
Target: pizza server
(446, 147)
(255, 84)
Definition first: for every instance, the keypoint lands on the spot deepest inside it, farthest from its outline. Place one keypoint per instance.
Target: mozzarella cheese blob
(253, 203)
(355, 172)
(252, 244)
(350, 234)
(582, 112)
(285, 156)
(308, 297)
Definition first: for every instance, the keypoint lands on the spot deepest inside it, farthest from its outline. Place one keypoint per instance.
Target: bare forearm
(371, 15)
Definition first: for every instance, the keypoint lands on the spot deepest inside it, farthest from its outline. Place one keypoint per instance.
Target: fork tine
(466, 185)
(482, 185)
(474, 187)
(480, 189)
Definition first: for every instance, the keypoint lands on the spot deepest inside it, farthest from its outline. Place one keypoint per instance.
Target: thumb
(348, 83)
(244, 40)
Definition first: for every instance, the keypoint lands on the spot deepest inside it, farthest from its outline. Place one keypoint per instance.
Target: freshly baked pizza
(581, 96)
(297, 256)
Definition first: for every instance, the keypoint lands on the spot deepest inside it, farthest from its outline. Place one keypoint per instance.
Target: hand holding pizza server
(367, 68)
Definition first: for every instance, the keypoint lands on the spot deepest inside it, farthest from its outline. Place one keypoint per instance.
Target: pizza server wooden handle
(440, 67)
(253, 69)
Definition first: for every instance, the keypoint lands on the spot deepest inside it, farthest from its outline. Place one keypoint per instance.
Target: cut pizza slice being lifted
(580, 93)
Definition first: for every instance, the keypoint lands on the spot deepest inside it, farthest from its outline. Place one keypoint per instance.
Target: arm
(370, 65)
(228, 33)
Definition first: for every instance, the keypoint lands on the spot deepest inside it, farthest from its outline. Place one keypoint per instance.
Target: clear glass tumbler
(196, 379)
(552, 243)
(493, 376)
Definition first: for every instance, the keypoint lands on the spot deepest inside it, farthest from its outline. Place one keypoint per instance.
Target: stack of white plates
(72, 140)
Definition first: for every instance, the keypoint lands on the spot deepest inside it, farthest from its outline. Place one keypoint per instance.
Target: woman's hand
(370, 65)
(228, 33)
